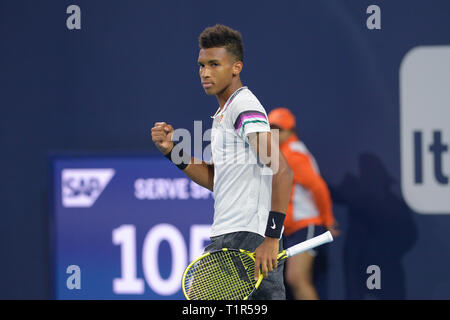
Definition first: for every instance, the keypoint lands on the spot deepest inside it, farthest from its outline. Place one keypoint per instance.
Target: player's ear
(237, 68)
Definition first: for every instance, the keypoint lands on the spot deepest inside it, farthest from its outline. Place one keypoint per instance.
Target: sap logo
(82, 187)
(425, 129)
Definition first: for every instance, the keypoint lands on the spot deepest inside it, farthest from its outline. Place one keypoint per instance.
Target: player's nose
(205, 73)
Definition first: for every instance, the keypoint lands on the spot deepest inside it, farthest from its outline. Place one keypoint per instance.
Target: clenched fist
(162, 136)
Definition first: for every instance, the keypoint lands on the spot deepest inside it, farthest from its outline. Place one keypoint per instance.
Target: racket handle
(309, 244)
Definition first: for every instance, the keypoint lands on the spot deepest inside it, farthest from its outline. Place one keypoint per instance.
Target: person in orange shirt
(310, 207)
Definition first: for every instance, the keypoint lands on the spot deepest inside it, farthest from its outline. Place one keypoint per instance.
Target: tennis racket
(228, 274)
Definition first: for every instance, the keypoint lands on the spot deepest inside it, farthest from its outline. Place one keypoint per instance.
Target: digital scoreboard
(124, 227)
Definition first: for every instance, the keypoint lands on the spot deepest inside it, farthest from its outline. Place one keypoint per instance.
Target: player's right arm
(199, 171)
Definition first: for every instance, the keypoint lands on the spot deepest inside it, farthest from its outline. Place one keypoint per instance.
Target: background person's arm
(305, 175)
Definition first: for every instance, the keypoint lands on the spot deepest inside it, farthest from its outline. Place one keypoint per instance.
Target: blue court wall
(378, 128)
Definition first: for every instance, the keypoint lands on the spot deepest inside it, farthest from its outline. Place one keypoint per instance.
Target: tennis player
(310, 208)
(249, 204)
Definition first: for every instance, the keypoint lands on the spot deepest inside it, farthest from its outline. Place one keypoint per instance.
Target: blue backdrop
(131, 64)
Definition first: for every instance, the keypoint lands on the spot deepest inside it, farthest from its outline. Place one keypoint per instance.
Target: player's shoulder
(246, 101)
(246, 95)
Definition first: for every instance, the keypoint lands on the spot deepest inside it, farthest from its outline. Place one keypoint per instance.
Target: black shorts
(272, 287)
(304, 234)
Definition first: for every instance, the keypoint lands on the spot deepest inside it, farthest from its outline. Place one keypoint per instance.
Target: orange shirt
(310, 201)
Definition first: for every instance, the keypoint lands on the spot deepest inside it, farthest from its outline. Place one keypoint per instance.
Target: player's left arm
(267, 149)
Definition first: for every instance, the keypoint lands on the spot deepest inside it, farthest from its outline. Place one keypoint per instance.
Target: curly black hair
(222, 36)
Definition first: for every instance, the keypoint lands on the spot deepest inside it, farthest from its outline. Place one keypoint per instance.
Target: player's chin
(210, 91)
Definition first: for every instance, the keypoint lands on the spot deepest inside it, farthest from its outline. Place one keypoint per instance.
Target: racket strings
(221, 275)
